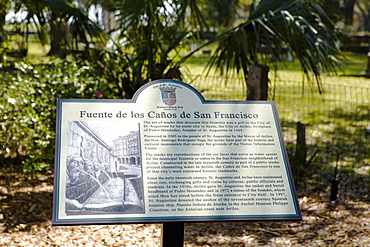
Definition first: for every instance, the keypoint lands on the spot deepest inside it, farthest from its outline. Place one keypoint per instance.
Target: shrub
(28, 108)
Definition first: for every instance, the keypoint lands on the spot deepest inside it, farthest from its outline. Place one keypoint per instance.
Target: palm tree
(64, 24)
(151, 38)
(272, 28)
(3, 8)
(151, 41)
(143, 48)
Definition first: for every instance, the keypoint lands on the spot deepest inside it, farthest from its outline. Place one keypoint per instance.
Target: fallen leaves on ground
(25, 220)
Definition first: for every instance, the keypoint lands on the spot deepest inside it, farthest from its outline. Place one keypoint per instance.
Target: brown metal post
(172, 234)
(301, 148)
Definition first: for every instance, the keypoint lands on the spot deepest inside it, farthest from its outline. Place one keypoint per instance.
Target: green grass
(355, 63)
(36, 50)
(336, 119)
(351, 63)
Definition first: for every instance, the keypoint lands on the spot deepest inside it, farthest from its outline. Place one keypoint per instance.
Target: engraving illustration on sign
(96, 182)
(169, 155)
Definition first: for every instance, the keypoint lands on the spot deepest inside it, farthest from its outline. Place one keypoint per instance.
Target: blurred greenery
(27, 107)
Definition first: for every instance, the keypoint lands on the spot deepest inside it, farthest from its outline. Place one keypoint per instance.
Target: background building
(127, 150)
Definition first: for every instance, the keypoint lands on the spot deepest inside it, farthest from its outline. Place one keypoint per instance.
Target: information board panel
(169, 155)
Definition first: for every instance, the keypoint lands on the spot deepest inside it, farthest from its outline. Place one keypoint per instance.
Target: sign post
(172, 234)
(170, 156)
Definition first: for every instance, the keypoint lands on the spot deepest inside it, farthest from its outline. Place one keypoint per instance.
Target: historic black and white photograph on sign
(103, 170)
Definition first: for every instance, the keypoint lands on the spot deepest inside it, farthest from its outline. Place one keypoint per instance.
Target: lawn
(337, 120)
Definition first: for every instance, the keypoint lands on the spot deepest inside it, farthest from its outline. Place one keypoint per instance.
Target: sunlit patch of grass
(355, 64)
(36, 50)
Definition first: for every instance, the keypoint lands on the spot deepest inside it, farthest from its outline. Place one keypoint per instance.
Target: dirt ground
(26, 206)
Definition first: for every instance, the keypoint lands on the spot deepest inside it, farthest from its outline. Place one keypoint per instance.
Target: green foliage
(275, 27)
(27, 108)
(147, 44)
(143, 45)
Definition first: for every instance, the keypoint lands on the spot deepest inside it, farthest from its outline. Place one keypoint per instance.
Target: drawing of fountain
(93, 184)
(105, 194)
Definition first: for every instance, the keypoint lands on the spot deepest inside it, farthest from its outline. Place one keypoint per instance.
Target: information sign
(169, 155)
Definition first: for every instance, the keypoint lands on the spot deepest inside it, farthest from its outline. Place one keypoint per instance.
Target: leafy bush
(28, 108)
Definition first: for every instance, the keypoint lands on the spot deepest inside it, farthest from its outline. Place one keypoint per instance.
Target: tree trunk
(257, 83)
(333, 5)
(348, 11)
(301, 148)
(55, 34)
(3, 7)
